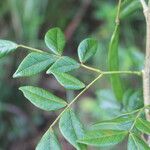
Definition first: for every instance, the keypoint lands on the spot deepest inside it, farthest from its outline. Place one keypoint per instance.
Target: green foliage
(42, 99)
(103, 137)
(133, 100)
(87, 48)
(105, 133)
(63, 64)
(49, 141)
(7, 47)
(136, 143)
(120, 123)
(129, 7)
(72, 129)
(108, 104)
(55, 40)
(113, 62)
(34, 63)
(68, 81)
(143, 125)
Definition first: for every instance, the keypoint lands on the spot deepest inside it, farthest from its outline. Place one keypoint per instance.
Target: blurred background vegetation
(26, 22)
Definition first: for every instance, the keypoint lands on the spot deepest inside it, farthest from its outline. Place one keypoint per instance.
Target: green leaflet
(48, 142)
(34, 63)
(133, 99)
(7, 47)
(129, 7)
(42, 98)
(72, 129)
(63, 64)
(123, 122)
(143, 125)
(103, 137)
(55, 40)
(113, 63)
(68, 81)
(87, 48)
(136, 143)
(108, 104)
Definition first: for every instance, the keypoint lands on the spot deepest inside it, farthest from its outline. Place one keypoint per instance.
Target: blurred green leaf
(64, 64)
(143, 125)
(133, 99)
(55, 40)
(49, 141)
(42, 98)
(34, 63)
(87, 48)
(113, 62)
(7, 47)
(68, 81)
(136, 143)
(129, 7)
(108, 104)
(123, 122)
(103, 137)
(72, 129)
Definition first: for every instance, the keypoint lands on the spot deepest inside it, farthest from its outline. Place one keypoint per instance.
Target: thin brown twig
(77, 19)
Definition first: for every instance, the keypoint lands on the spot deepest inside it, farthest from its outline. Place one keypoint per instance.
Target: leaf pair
(35, 63)
(55, 41)
(109, 132)
(60, 68)
(70, 127)
(113, 131)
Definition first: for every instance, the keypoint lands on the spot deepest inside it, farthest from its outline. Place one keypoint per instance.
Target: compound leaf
(87, 48)
(42, 98)
(72, 129)
(55, 40)
(7, 47)
(34, 63)
(49, 141)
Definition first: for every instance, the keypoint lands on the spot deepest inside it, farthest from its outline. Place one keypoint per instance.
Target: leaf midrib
(33, 65)
(121, 133)
(46, 97)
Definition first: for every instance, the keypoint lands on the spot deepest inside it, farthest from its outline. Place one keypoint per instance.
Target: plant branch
(146, 71)
(75, 99)
(118, 13)
(91, 68)
(30, 48)
(139, 73)
(87, 67)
